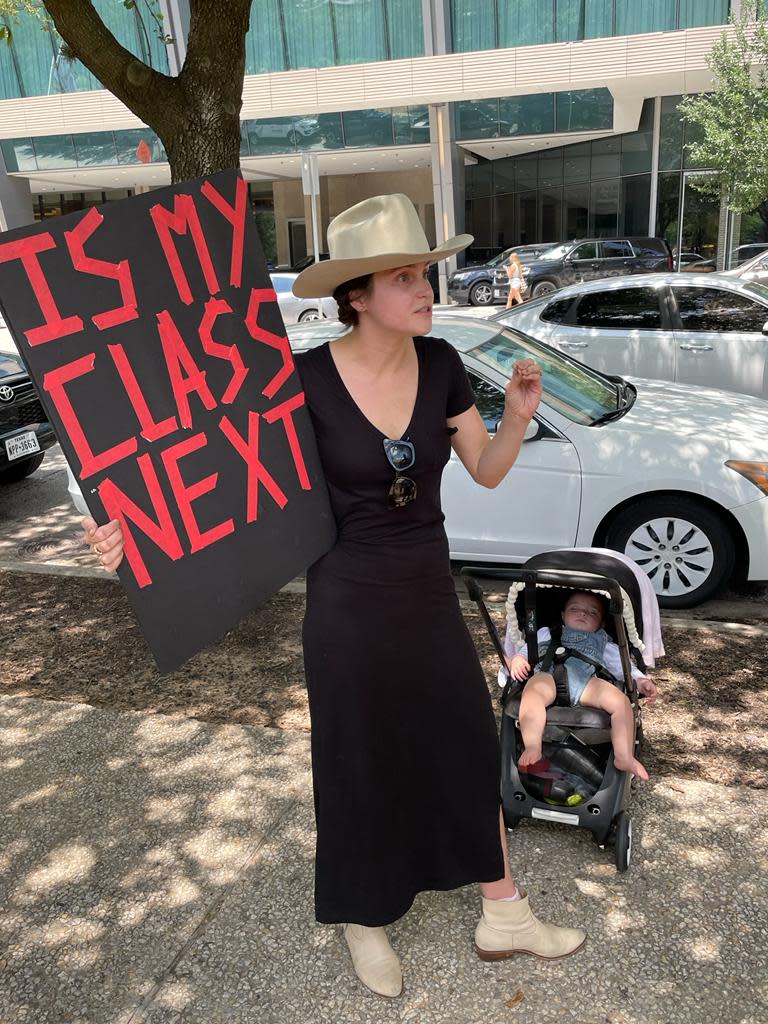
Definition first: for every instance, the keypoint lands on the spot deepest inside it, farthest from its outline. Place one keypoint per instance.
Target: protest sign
(154, 338)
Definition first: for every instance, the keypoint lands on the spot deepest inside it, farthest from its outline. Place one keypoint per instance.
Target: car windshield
(496, 260)
(575, 391)
(557, 252)
(760, 291)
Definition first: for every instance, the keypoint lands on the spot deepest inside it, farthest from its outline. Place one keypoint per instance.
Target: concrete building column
(16, 207)
(447, 185)
(176, 22)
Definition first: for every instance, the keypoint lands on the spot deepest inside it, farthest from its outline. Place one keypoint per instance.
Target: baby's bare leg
(600, 694)
(538, 694)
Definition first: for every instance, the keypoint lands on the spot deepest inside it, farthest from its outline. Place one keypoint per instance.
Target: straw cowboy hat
(378, 234)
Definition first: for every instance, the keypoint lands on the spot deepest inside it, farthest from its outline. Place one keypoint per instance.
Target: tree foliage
(731, 122)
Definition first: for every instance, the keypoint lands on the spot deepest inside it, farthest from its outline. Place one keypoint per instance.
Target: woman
(515, 275)
(404, 747)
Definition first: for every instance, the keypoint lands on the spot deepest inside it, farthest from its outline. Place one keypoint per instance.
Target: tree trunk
(196, 115)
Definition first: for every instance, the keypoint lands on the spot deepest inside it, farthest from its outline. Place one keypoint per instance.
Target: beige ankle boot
(508, 927)
(375, 962)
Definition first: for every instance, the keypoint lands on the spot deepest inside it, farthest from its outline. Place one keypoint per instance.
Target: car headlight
(757, 472)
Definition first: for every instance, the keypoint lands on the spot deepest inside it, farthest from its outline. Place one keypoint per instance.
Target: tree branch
(136, 84)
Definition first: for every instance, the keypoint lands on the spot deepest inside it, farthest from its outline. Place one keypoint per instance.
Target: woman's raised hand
(106, 542)
(523, 393)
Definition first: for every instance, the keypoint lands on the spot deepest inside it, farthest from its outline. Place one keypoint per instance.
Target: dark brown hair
(347, 313)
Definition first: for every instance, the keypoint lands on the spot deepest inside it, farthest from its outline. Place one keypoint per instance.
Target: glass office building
(547, 158)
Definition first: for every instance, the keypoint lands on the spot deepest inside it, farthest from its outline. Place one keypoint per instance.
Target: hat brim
(324, 278)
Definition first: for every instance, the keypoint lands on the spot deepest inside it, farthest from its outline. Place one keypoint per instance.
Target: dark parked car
(474, 284)
(585, 259)
(25, 432)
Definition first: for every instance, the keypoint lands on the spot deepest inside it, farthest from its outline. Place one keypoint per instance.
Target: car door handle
(574, 344)
(696, 348)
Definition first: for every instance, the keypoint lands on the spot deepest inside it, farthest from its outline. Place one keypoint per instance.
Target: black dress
(405, 752)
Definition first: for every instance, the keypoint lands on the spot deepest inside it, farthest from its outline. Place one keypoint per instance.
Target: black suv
(474, 284)
(585, 259)
(25, 432)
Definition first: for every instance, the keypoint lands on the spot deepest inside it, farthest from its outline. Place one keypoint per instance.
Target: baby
(583, 618)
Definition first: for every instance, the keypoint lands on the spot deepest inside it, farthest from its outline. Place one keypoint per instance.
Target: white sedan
(674, 476)
(709, 330)
(292, 308)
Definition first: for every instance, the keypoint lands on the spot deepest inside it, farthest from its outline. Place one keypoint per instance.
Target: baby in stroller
(584, 652)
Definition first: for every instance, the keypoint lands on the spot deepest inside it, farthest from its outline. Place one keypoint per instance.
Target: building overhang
(267, 168)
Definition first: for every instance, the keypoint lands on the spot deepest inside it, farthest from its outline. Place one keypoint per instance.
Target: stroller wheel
(622, 839)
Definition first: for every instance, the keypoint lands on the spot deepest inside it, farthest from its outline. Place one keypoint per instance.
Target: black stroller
(582, 787)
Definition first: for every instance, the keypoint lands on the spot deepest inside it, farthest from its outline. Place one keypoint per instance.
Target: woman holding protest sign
(405, 753)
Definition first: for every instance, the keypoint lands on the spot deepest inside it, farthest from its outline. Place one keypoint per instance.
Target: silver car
(755, 269)
(709, 330)
(294, 310)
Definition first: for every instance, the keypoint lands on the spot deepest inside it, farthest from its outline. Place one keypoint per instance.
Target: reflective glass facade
(599, 188)
(401, 126)
(289, 34)
(536, 114)
(32, 64)
(488, 24)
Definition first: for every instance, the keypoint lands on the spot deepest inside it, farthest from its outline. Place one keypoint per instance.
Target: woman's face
(398, 300)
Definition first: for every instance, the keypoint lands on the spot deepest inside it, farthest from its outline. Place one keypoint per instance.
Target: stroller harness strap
(554, 662)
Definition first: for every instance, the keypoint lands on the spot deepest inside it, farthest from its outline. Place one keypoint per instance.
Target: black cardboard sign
(153, 335)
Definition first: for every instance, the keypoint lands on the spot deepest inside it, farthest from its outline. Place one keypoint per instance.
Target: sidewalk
(158, 870)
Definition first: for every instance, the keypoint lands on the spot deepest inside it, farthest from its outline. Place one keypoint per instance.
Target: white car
(295, 310)
(675, 477)
(710, 330)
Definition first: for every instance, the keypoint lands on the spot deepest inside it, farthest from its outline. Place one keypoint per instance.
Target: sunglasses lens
(402, 491)
(401, 454)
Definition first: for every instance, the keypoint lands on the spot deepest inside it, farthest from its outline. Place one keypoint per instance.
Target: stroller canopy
(587, 562)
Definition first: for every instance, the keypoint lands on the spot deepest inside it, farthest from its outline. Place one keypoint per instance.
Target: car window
(556, 253)
(620, 308)
(280, 283)
(489, 400)
(715, 309)
(586, 251)
(556, 312)
(615, 248)
(577, 392)
(654, 247)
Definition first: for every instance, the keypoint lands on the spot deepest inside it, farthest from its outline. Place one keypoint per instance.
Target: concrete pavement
(158, 870)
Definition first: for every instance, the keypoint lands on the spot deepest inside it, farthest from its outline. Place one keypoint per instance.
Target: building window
(535, 114)
(289, 34)
(489, 24)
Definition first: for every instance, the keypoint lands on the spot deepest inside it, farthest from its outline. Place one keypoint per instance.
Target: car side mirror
(765, 327)
(532, 431)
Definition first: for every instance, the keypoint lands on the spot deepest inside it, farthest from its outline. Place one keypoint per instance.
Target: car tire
(19, 470)
(685, 547)
(309, 314)
(481, 294)
(545, 287)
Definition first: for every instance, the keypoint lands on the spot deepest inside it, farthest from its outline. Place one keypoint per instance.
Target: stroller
(578, 783)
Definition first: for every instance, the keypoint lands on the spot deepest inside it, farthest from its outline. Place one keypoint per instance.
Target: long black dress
(405, 753)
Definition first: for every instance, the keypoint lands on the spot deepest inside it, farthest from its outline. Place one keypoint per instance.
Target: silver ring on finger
(98, 550)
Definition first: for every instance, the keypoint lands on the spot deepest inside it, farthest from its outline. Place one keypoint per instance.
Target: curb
(300, 587)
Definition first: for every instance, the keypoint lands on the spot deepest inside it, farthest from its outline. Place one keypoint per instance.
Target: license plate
(22, 445)
(497, 294)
